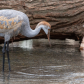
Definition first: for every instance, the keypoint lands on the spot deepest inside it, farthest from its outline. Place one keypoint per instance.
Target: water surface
(63, 63)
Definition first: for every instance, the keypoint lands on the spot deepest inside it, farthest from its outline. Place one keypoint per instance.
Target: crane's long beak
(48, 36)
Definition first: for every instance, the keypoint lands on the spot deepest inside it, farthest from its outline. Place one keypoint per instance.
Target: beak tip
(48, 36)
(50, 45)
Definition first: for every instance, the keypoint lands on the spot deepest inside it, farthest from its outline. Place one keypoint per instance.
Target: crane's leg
(7, 49)
(3, 51)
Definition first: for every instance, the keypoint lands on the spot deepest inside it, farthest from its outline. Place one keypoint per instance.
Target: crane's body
(13, 22)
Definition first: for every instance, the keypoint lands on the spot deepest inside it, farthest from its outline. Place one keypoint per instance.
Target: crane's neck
(28, 32)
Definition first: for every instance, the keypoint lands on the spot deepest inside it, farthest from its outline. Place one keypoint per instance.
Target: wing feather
(8, 24)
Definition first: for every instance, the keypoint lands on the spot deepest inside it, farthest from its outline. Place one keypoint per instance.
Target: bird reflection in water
(6, 78)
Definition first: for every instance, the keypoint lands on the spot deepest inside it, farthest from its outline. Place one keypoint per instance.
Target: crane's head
(46, 27)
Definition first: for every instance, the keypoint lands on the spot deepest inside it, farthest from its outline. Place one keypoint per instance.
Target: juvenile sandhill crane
(13, 22)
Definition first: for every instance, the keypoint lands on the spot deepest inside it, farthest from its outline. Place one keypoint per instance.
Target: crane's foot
(3, 51)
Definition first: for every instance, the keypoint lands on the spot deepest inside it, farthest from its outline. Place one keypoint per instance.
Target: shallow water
(61, 64)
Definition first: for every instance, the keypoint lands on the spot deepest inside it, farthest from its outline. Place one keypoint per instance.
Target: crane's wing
(10, 20)
(12, 23)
